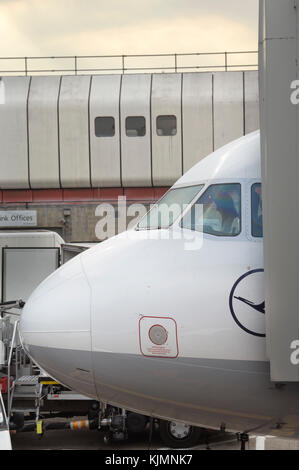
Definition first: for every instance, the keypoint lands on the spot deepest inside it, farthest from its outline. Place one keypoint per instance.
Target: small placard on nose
(158, 337)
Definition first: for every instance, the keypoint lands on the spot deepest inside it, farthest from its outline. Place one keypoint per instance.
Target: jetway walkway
(118, 121)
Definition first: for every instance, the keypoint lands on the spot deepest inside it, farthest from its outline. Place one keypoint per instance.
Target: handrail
(123, 66)
(15, 330)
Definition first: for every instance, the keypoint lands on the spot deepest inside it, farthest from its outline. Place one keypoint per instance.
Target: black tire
(181, 439)
(136, 423)
(17, 418)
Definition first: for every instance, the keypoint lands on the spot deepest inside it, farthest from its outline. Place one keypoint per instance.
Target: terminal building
(72, 142)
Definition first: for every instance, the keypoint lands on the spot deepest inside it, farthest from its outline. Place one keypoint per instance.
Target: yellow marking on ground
(39, 427)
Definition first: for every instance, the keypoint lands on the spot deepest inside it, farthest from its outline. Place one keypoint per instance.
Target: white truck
(26, 258)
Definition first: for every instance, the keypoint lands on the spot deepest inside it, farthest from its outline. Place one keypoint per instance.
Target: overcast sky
(85, 27)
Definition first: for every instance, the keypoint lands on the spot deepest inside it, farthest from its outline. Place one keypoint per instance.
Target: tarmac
(85, 439)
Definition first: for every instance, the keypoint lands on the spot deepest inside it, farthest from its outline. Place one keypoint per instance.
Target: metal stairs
(26, 395)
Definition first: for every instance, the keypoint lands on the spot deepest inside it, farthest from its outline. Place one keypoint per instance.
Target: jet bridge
(279, 92)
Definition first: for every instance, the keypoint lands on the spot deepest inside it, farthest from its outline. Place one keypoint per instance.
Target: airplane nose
(55, 327)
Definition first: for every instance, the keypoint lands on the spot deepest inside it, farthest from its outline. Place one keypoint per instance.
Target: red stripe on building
(44, 195)
(78, 195)
(17, 196)
(159, 192)
(107, 194)
(138, 194)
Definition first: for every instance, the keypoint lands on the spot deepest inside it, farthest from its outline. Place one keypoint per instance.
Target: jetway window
(135, 126)
(169, 208)
(217, 211)
(166, 125)
(256, 210)
(104, 126)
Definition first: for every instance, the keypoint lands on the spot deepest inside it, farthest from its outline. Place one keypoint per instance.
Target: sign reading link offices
(18, 219)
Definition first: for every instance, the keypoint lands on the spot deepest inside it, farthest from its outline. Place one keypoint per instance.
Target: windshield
(217, 211)
(169, 208)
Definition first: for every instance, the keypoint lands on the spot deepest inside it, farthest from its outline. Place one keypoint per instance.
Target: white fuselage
(90, 323)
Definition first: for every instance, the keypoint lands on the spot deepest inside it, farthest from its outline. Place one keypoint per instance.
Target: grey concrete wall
(75, 223)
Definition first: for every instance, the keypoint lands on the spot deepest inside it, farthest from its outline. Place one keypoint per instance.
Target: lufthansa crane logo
(247, 303)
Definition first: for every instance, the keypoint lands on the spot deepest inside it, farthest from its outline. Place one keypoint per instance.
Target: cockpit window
(256, 210)
(217, 211)
(169, 208)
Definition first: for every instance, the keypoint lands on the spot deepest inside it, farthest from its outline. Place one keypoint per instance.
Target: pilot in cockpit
(220, 214)
(226, 207)
(217, 211)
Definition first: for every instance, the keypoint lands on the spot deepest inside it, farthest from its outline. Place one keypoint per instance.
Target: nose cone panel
(55, 327)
